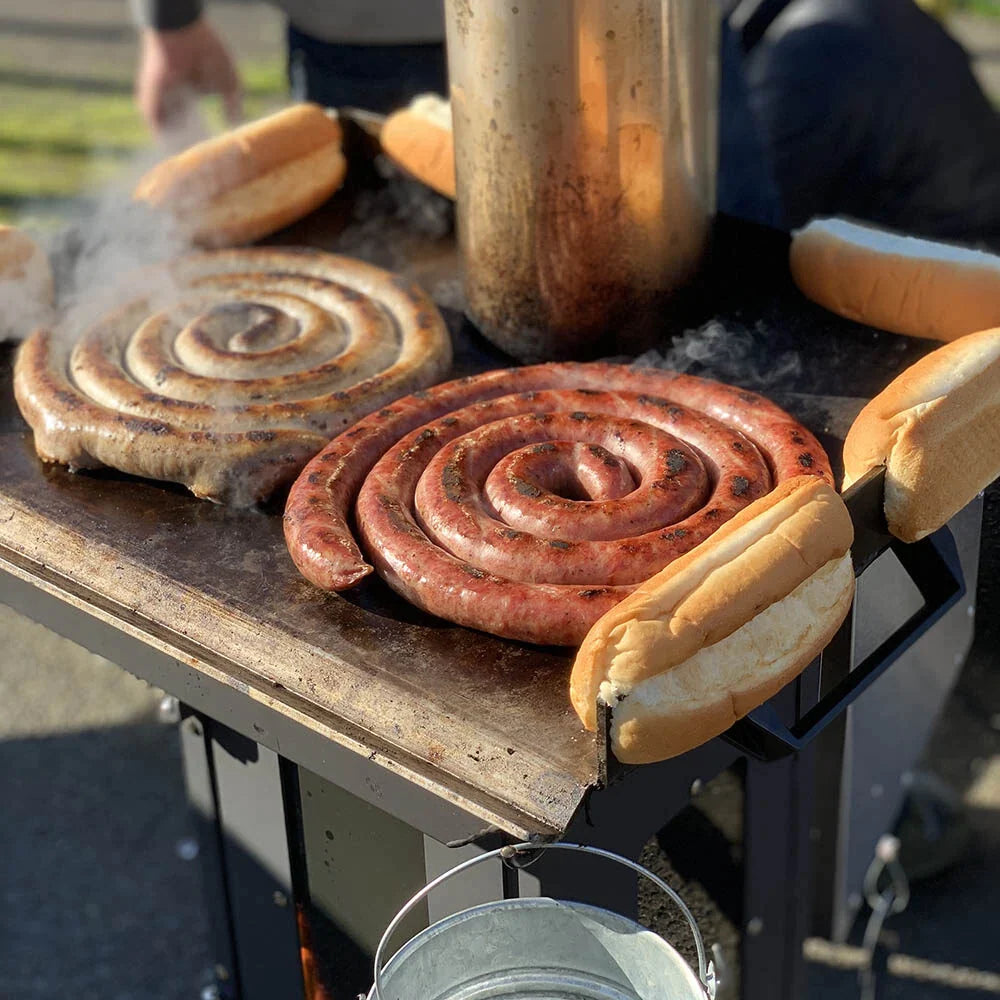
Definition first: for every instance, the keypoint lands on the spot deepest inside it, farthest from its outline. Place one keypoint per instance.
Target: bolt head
(187, 848)
(755, 926)
(887, 849)
(280, 899)
(169, 710)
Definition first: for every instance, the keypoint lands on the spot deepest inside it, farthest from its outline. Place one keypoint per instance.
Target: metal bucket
(539, 949)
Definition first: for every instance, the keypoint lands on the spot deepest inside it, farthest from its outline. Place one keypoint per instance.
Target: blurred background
(98, 871)
(68, 123)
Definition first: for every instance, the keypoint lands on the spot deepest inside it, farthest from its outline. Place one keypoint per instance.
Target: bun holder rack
(932, 565)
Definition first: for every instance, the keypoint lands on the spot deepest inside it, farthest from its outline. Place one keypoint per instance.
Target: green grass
(57, 143)
(988, 8)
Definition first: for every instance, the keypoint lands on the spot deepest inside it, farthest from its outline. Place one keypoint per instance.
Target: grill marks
(524, 514)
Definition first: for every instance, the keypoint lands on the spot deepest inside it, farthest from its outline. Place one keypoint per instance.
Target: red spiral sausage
(527, 502)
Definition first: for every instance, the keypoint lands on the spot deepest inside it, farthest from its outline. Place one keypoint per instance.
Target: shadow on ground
(98, 903)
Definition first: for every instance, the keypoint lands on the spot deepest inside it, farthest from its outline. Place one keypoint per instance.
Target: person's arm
(181, 53)
(166, 15)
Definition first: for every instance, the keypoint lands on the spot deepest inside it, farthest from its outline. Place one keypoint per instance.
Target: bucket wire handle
(706, 969)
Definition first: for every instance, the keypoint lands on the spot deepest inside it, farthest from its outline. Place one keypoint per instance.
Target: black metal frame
(933, 566)
(624, 809)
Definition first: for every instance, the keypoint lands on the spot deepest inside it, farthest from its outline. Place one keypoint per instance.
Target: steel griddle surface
(484, 718)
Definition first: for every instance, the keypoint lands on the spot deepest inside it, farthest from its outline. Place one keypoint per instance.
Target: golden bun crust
(916, 287)
(936, 428)
(715, 593)
(419, 139)
(243, 185)
(724, 683)
(27, 294)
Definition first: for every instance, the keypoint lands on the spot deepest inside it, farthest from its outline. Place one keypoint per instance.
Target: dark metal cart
(335, 745)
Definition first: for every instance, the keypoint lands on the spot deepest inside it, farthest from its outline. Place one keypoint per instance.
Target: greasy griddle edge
(57, 560)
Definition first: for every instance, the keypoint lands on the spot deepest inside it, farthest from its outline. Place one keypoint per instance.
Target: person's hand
(175, 64)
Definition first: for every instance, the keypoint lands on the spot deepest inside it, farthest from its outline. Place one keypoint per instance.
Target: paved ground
(98, 900)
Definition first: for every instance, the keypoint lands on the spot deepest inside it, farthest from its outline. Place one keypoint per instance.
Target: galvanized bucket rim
(516, 907)
(706, 969)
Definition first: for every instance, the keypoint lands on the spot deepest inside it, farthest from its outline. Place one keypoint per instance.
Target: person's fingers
(175, 106)
(229, 86)
(149, 97)
(232, 102)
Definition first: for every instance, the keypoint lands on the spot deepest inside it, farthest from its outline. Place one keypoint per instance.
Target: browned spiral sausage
(527, 502)
(230, 369)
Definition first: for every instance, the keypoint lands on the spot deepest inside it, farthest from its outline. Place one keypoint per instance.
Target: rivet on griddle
(755, 926)
(280, 899)
(696, 787)
(169, 710)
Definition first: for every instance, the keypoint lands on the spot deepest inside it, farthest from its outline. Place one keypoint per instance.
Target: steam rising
(98, 257)
(729, 352)
(387, 219)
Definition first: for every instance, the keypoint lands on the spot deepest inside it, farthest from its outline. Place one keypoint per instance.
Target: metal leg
(777, 818)
(196, 757)
(360, 865)
(236, 787)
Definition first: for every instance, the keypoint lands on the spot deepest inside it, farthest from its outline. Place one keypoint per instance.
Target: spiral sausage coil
(230, 368)
(527, 502)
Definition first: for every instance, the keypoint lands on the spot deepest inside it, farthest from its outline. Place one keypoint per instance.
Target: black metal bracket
(934, 567)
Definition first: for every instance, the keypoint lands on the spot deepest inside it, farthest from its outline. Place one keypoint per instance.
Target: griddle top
(486, 722)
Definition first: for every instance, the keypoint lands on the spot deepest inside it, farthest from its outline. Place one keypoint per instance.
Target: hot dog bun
(419, 139)
(26, 289)
(936, 428)
(252, 181)
(917, 287)
(723, 628)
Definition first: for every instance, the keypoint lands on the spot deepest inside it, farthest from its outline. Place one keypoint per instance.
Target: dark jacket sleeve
(871, 110)
(166, 15)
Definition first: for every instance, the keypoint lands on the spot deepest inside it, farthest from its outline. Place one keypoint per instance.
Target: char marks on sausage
(527, 502)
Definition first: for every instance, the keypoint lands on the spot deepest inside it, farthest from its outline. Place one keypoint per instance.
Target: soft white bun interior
(896, 244)
(674, 711)
(936, 429)
(433, 108)
(765, 644)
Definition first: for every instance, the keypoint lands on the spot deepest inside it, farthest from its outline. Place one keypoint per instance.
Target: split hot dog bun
(723, 628)
(936, 428)
(252, 181)
(419, 139)
(26, 289)
(916, 287)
